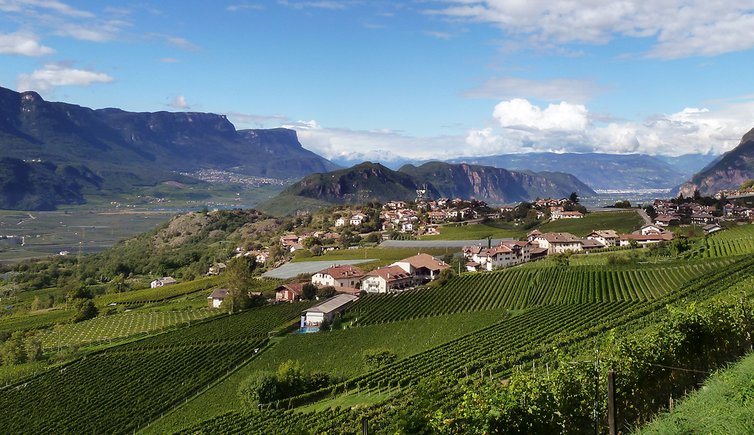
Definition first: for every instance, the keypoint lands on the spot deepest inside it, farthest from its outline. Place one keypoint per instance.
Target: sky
(421, 79)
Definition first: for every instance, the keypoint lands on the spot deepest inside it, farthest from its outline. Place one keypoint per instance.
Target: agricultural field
(738, 240)
(125, 387)
(339, 353)
(118, 326)
(160, 294)
(477, 232)
(622, 222)
(518, 288)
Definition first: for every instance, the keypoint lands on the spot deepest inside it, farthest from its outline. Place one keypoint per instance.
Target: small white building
(326, 311)
(358, 219)
(217, 297)
(339, 222)
(161, 282)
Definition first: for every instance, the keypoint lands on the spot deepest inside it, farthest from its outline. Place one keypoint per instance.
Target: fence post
(611, 414)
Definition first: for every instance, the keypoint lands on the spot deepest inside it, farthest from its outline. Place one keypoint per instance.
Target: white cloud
(679, 28)
(317, 4)
(521, 114)
(26, 6)
(503, 88)
(524, 127)
(247, 120)
(182, 43)
(53, 75)
(179, 102)
(169, 60)
(24, 44)
(95, 32)
(244, 7)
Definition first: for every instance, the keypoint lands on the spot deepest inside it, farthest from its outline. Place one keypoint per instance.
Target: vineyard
(492, 351)
(734, 241)
(125, 387)
(160, 293)
(101, 329)
(518, 288)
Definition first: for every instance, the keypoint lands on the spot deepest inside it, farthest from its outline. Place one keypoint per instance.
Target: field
(738, 240)
(338, 352)
(620, 221)
(160, 362)
(518, 288)
(125, 387)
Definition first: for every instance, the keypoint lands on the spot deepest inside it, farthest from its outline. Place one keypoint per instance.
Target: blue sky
(420, 79)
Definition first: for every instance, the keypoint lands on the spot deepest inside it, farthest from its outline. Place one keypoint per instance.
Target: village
(346, 282)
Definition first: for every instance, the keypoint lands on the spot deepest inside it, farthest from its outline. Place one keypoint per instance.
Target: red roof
(340, 272)
(390, 273)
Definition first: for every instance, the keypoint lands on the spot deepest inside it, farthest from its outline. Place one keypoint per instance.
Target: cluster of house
(670, 213)
(538, 245)
(403, 274)
(397, 216)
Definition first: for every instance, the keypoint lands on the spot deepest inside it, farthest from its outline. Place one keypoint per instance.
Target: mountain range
(727, 172)
(127, 149)
(373, 181)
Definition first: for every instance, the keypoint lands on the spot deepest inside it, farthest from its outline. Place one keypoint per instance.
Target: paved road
(644, 215)
(289, 270)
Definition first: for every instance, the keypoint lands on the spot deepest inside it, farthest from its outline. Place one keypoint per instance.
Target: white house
(216, 269)
(387, 279)
(645, 239)
(339, 222)
(358, 219)
(160, 282)
(712, 228)
(558, 243)
(650, 229)
(558, 213)
(508, 253)
(326, 311)
(605, 237)
(423, 267)
(217, 297)
(338, 276)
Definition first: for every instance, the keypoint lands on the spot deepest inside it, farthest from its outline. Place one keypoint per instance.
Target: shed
(326, 311)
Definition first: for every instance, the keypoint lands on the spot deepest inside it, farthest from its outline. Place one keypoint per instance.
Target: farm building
(387, 279)
(606, 237)
(338, 276)
(161, 282)
(217, 297)
(289, 292)
(557, 243)
(423, 267)
(326, 311)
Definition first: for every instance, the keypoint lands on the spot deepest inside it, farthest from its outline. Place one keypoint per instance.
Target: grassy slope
(339, 352)
(724, 405)
(622, 222)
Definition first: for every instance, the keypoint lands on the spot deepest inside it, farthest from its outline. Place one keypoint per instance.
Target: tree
(12, 351)
(308, 291)
(85, 310)
(240, 274)
(326, 292)
(574, 197)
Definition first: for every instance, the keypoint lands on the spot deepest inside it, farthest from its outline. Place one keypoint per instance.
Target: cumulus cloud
(53, 75)
(523, 127)
(521, 114)
(248, 120)
(503, 88)
(679, 28)
(179, 102)
(30, 6)
(24, 44)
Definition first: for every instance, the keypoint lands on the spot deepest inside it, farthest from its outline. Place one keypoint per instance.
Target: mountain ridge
(373, 181)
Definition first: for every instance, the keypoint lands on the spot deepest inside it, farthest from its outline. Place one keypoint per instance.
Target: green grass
(622, 222)
(384, 255)
(724, 405)
(34, 320)
(477, 232)
(345, 401)
(337, 352)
